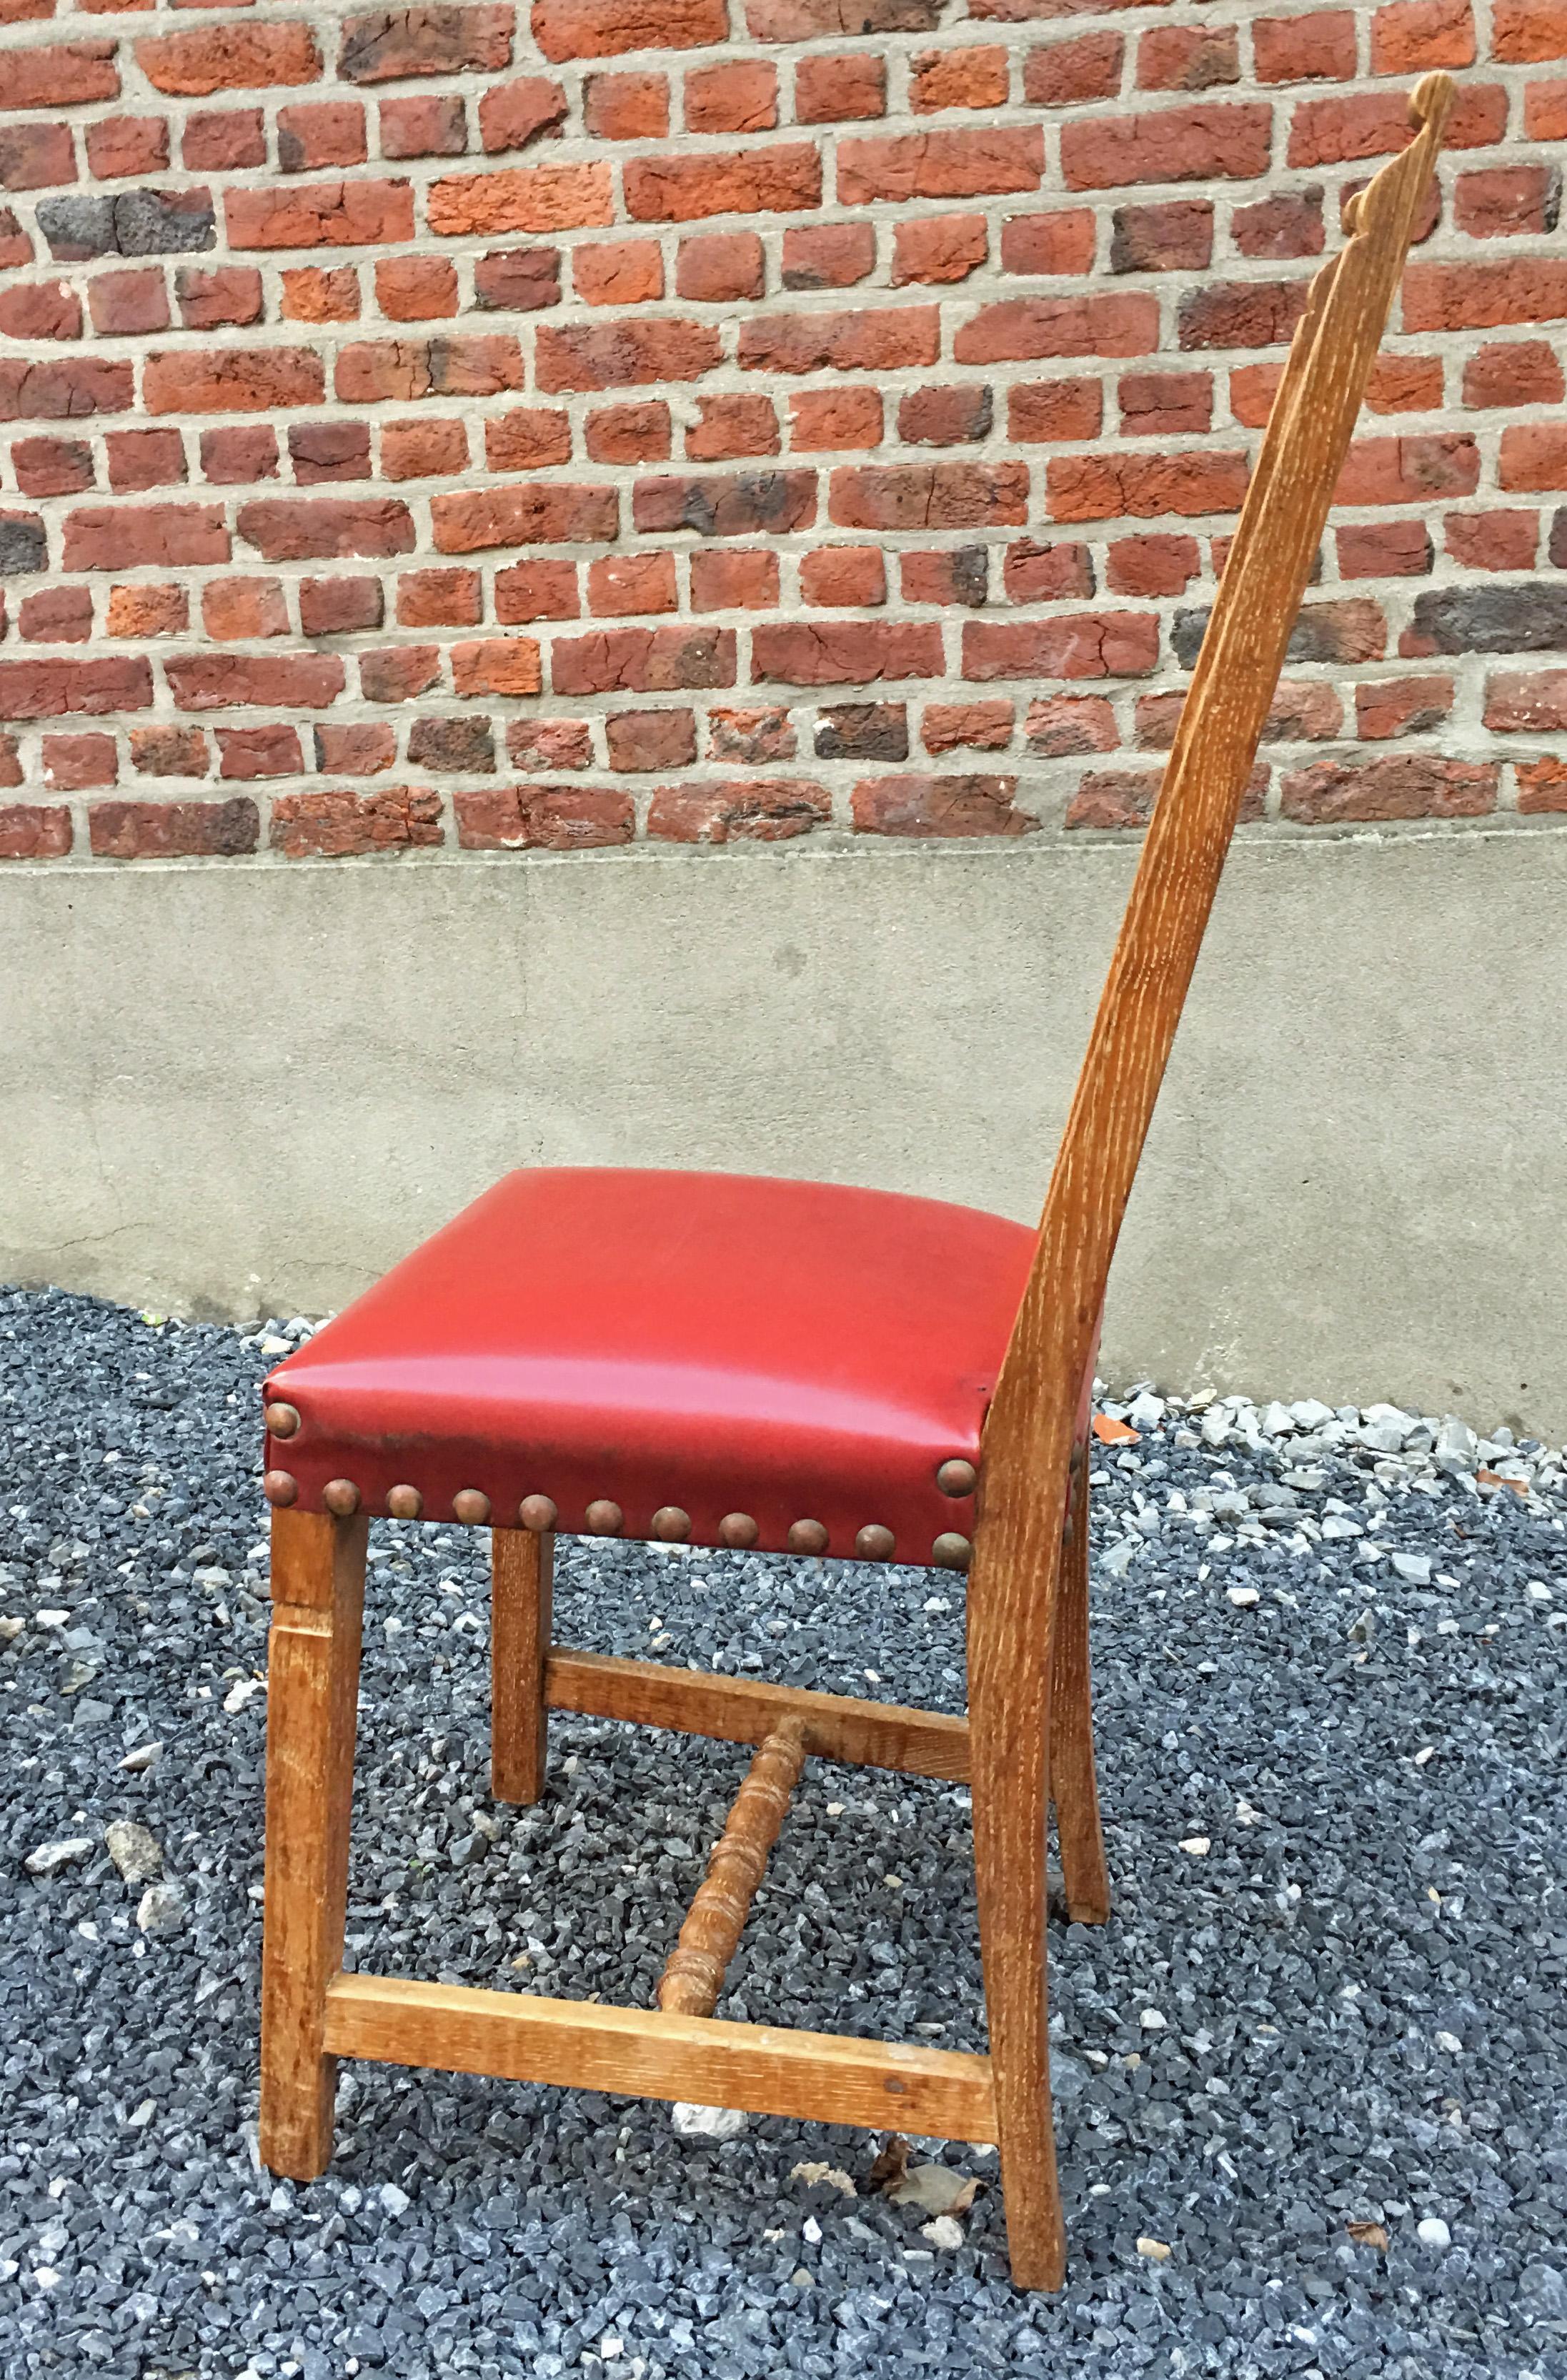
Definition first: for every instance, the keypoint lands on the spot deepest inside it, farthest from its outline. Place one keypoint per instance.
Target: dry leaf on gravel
(892, 2163)
(1368, 2235)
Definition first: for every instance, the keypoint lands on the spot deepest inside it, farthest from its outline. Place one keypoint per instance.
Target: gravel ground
(1330, 2000)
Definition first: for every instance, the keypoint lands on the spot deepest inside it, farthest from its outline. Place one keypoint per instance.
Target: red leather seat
(713, 1342)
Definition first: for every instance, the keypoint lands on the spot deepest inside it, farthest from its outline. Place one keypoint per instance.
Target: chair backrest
(1034, 1414)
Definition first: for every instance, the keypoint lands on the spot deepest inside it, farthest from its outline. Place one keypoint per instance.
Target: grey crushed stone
(1349, 2008)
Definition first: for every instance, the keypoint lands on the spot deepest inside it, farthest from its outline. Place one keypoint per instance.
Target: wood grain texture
(522, 1570)
(693, 1976)
(766, 2070)
(1074, 1785)
(1024, 1488)
(744, 1710)
(318, 1570)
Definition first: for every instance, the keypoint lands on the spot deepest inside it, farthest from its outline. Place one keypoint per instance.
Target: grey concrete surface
(237, 1090)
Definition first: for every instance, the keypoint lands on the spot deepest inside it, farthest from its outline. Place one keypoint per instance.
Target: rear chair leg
(318, 1571)
(1074, 1787)
(522, 1570)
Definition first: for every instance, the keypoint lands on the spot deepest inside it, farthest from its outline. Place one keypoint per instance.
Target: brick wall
(692, 419)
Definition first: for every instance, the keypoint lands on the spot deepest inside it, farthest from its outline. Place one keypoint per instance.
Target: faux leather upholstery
(720, 1343)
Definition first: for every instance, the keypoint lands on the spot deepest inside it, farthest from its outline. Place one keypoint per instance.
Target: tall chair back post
(1033, 1439)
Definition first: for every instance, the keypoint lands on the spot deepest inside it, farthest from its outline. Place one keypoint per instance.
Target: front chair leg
(1074, 1787)
(522, 1573)
(318, 1571)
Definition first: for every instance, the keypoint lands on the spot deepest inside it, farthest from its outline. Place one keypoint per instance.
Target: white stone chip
(693, 2123)
(1156, 2251)
(943, 2231)
(1434, 2232)
(1197, 1845)
(1243, 1598)
(48, 1858)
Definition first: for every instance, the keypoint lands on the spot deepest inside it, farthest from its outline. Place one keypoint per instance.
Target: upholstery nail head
(537, 1513)
(737, 1529)
(471, 1507)
(341, 1498)
(956, 1478)
(672, 1524)
(603, 1519)
(875, 1543)
(951, 1551)
(283, 1420)
(806, 1537)
(280, 1488)
(404, 1503)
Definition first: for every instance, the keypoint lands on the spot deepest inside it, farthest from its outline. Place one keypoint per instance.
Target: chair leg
(1009, 1718)
(318, 1570)
(522, 1573)
(1074, 1787)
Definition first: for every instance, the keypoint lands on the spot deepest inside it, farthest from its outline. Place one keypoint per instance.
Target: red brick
(453, 747)
(423, 450)
(227, 57)
(1410, 470)
(440, 598)
(1041, 412)
(169, 752)
(521, 198)
(233, 608)
(943, 78)
(619, 355)
(1315, 48)
(880, 340)
(1533, 455)
(807, 20)
(1373, 124)
(230, 457)
(1188, 57)
(1064, 72)
(720, 267)
(173, 829)
(618, 272)
(957, 415)
(526, 440)
(448, 365)
(224, 141)
(844, 652)
(1303, 710)
(1483, 297)
(519, 279)
(340, 825)
(286, 529)
(964, 164)
(1165, 404)
(602, 29)
(763, 734)
(1108, 798)
(213, 298)
(281, 680)
(323, 215)
(550, 742)
(1401, 706)
(939, 806)
(1351, 630)
(73, 764)
(1508, 202)
(956, 575)
(56, 615)
(1064, 724)
(1400, 549)
(1520, 372)
(1080, 644)
(1406, 384)
(33, 831)
(1287, 224)
(1175, 236)
(123, 303)
(1542, 785)
(823, 418)
(848, 89)
(622, 586)
(1241, 314)
(38, 156)
(329, 451)
(1527, 703)
(1054, 243)
(929, 495)
(728, 427)
(1152, 565)
(744, 181)
(339, 607)
(1411, 36)
(941, 247)
(1216, 142)
(628, 433)
(741, 578)
(651, 739)
(768, 810)
(312, 293)
(511, 115)
(739, 96)
(387, 43)
(16, 247)
(63, 77)
(1525, 33)
(536, 591)
(48, 689)
(1499, 540)
(328, 132)
(248, 753)
(840, 576)
(232, 379)
(427, 126)
(147, 611)
(119, 536)
(416, 289)
(1253, 388)
(11, 772)
(1019, 328)
(45, 310)
(827, 256)
(643, 660)
(52, 392)
(548, 817)
(1331, 792)
(1102, 487)
(503, 665)
(976, 726)
(396, 673)
(53, 467)
(626, 107)
(740, 504)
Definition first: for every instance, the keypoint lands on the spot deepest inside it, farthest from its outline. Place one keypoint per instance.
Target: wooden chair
(716, 1360)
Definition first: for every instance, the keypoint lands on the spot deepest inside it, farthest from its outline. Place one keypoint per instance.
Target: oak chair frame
(1028, 1740)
